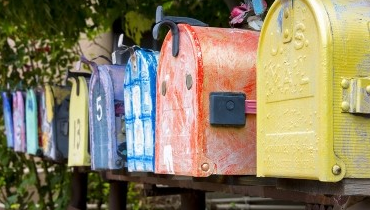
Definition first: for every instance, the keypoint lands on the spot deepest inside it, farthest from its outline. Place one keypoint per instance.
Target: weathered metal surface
(32, 135)
(106, 116)
(356, 92)
(8, 118)
(78, 154)
(217, 60)
(19, 122)
(140, 96)
(55, 122)
(306, 49)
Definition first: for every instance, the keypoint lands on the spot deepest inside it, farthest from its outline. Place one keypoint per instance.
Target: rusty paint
(217, 60)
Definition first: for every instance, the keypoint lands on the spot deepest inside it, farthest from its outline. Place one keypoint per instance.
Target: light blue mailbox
(140, 97)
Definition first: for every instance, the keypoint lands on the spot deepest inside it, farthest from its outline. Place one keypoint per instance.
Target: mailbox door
(177, 108)
(55, 143)
(117, 75)
(62, 96)
(139, 92)
(298, 56)
(102, 122)
(78, 124)
(46, 123)
(8, 118)
(19, 122)
(31, 123)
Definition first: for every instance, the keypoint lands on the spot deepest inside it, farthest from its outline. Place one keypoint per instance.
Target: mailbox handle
(76, 74)
(175, 35)
(171, 22)
(191, 21)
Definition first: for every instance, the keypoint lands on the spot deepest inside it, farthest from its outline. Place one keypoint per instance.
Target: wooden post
(79, 190)
(118, 195)
(195, 199)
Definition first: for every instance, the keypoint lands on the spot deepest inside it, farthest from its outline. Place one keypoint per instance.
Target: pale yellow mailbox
(313, 86)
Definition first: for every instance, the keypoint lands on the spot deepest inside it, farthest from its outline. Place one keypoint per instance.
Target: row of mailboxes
(191, 109)
(153, 113)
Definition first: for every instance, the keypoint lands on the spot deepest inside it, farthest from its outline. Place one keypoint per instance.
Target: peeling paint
(217, 60)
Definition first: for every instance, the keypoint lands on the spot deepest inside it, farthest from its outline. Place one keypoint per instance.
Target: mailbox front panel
(306, 50)
(32, 123)
(55, 126)
(140, 95)
(19, 122)
(78, 124)
(209, 60)
(8, 118)
(106, 114)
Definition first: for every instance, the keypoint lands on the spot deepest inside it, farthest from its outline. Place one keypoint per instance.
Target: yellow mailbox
(313, 86)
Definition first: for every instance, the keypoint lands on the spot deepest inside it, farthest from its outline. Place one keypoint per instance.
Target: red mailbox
(204, 89)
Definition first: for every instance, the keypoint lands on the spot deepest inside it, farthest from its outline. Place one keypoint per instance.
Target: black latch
(227, 109)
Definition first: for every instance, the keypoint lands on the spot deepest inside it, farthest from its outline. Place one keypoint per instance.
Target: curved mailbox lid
(32, 122)
(106, 116)
(55, 128)
(306, 50)
(209, 60)
(8, 118)
(78, 124)
(140, 95)
(19, 122)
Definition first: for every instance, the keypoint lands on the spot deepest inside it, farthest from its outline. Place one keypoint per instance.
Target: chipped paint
(140, 93)
(106, 117)
(215, 60)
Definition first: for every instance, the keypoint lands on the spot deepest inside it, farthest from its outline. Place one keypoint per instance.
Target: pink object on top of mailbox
(209, 60)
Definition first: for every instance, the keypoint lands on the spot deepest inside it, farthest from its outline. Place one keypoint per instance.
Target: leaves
(136, 25)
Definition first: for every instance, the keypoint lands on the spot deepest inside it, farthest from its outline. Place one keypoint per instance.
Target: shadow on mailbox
(55, 105)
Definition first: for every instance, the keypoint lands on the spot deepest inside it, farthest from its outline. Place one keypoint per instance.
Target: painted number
(99, 108)
(77, 127)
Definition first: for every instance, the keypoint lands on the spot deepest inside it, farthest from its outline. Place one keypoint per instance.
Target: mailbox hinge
(356, 95)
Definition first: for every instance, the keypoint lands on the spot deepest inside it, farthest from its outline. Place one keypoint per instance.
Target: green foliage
(98, 190)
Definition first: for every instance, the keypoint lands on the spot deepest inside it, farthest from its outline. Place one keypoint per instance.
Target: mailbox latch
(229, 108)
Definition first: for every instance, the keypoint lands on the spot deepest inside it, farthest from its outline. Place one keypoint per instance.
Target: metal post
(118, 195)
(195, 199)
